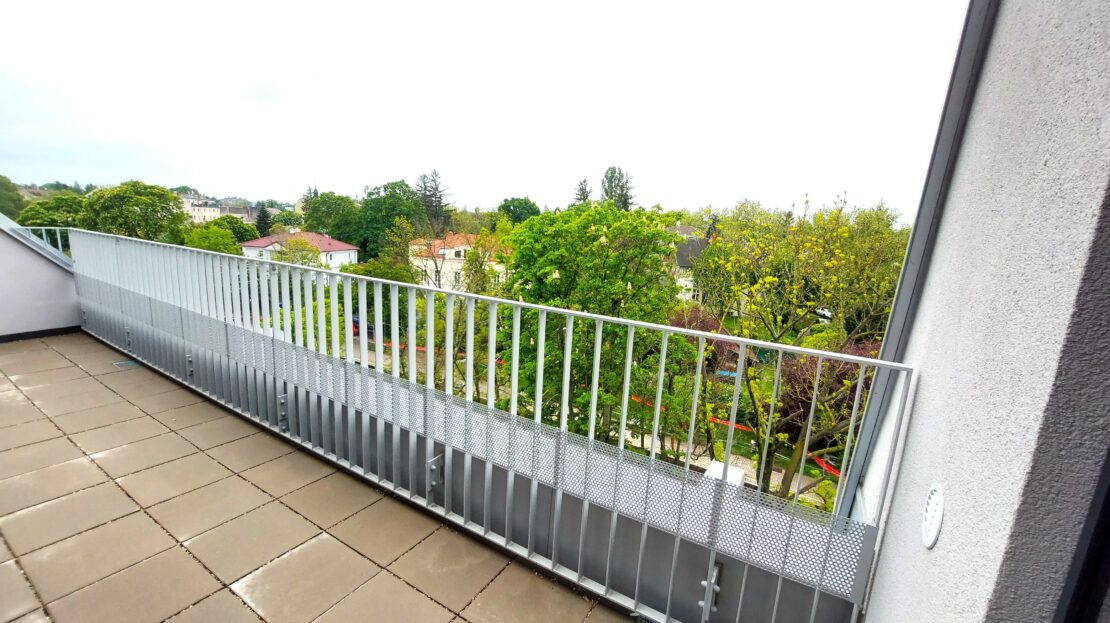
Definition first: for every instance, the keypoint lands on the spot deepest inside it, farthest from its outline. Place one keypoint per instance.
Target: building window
(458, 253)
(457, 276)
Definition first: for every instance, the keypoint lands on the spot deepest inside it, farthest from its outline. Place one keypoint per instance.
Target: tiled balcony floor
(126, 497)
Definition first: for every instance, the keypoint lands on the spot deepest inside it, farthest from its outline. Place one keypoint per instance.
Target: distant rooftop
(320, 241)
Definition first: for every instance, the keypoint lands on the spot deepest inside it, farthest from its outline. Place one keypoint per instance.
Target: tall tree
(262, 222)
(595, 259)
(321, 211)
(381, 208)
(582, 193)
(616, 186)
(519, 209)
(11, 202)
(56, 211)
(242, 231)
(137, 210)
(433, 196)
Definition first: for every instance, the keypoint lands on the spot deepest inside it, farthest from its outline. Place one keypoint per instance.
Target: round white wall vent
(932, 516)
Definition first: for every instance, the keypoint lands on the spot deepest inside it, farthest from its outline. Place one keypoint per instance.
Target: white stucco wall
(35, 293)
(1001, 286)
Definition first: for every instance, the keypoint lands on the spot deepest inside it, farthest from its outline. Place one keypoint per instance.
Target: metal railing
(575, 440)
(52, 242)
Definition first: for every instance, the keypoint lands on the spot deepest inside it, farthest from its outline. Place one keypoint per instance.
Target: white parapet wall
(1004, 291)
(36, 294)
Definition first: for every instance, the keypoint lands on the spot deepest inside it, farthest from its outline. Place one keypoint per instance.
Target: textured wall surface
(1011, 251)
(35, 293)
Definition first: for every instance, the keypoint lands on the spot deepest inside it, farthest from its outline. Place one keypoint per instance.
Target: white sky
(703, 103)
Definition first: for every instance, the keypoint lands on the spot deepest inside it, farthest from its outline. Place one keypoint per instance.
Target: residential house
(333, 253)
(441, 261)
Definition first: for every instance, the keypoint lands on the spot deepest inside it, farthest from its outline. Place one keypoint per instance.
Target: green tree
(396, 241)
(597, 259)
(56, 211)
(262, 222)
(137, 210)
(296, 250)
(519, 209)
(321, 211)
(616, 186)
(433, 196)
(582, 192)
(383, 206)
(11, 202)
(184, 190)
(242, 231)
(288, 218)
(212, 238)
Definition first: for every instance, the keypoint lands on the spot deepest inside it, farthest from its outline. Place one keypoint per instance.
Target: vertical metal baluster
(246, 373)
(320, 404)
(770, 420)
(349, 359)
(227, 269)
(449, 390)
(651, 465)
(537, 414)
(711, 587)
(430, 386)
(256, 327)
(275, 335)
(335, 405)
(514, 385)
(591, 432)
(691, 427)
(310, 429)
(298, 318)
(847, 464)
(364, 377)
(410, 346)
(395, 368)
(629, 341)
(561, 443)
(491, 391)
(798, 487)
(379, 376)
(469, 373)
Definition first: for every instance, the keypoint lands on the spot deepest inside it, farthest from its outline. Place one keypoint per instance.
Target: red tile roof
(450, 241)
(320, 241)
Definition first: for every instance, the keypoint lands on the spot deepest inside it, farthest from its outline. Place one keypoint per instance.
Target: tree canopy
(11, 202)
(321, 211)
(212, 238)
(242, 231)
(616, 186)
(597, 259)
(56, 211)
(137, 210)
(519, 209)
(288, 218)
(296, 250)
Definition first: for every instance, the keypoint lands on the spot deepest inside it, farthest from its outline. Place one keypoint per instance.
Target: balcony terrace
(125, 496)
(273, 441)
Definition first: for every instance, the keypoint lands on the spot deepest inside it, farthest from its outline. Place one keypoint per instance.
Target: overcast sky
(703, 103)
